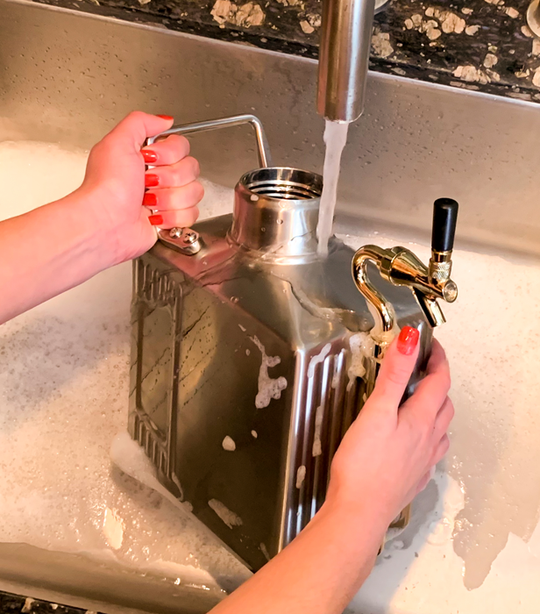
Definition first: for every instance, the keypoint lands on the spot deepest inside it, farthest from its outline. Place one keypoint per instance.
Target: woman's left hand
(129, 200)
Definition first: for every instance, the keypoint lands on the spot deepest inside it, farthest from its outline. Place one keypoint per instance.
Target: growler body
(247, 366)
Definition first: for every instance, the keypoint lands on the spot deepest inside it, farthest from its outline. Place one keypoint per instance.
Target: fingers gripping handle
(265, 158)
(185, 240)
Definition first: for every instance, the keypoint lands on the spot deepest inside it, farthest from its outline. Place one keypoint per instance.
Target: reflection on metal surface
(344, 58)
(275, 211)
(256, 338)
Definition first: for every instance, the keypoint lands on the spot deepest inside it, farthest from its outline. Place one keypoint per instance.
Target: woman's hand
(387, 455)
(127, 200)
(109, 219)
(383, 461)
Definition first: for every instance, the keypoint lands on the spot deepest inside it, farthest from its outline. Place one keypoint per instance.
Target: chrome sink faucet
(344, 57)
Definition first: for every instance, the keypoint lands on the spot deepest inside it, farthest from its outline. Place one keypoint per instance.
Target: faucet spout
(344, 58)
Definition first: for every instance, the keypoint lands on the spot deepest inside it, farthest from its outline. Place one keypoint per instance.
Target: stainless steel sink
(67, 78)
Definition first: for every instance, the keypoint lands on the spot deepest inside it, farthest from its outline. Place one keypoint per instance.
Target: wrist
(360, 523)
(82, 230)
(96, 229)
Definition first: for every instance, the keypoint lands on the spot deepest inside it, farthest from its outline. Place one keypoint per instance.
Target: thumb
(396, 369)
(138, 126)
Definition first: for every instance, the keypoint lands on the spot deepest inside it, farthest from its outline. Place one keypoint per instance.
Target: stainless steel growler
(252, 356)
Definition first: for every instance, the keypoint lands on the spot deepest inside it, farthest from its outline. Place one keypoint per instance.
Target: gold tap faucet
(401, 267)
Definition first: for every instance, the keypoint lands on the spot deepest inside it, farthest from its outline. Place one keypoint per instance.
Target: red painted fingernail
(150, 200)
(155, 220)
(167, 117)
(149, 156)
(151, 180)
(408, 340)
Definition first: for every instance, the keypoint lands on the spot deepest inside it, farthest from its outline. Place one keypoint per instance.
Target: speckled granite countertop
(475, 44)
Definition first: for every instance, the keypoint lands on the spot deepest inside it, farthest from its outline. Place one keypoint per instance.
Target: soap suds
(228, 444)
(254, 434)
(113, 527)
(63, 399)
(229, 518)
(318, 359)
(64, 386)
(269, 388)
(300, 476)
(317, 446)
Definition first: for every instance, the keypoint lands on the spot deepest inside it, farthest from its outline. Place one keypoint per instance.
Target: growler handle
(263, 149)
(187, 240)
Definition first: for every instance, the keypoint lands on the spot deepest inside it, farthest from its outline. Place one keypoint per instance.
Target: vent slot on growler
(249, 351)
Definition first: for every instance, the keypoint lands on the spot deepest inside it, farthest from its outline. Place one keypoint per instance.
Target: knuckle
(446, 380)
(197, 192)
(442, 448)
(192, 214)
(398, 375)
(426, 431)
(451, 410)
(135, 115)
(195, 167)
(182, 144)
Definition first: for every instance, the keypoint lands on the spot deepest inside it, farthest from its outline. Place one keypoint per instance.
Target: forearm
(318, 573)
(47, 251)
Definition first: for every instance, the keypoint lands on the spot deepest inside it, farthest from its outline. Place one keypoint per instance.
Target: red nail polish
(149, 200)
(151, 180)
(155, 220)
(408, 340)
(149, 156)
(167, 117)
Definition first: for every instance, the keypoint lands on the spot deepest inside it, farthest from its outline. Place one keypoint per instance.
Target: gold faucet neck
(401, 267)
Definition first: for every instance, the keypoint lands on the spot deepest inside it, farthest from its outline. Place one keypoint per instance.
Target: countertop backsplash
(482, 45)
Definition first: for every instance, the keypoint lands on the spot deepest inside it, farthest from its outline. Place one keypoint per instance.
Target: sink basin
(474, 539)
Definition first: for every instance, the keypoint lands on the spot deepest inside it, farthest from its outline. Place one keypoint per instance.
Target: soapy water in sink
(63, 402)
(63, 399)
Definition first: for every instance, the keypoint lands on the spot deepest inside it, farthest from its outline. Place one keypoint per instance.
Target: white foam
(269, 387)
(317, 445)
(229, 518)
(64, 384)
(228, 444)
(63, 398)
(300, 476)
(318, 359)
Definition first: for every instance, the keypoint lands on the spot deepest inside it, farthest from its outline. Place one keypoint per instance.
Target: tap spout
(344, 58)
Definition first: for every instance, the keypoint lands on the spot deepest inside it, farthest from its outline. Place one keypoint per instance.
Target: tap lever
(445, 211)
(401, 267)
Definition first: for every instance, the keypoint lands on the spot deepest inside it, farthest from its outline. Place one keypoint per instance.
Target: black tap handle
(445, 211)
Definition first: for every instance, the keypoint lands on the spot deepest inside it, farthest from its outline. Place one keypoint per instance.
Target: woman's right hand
(387, 455)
